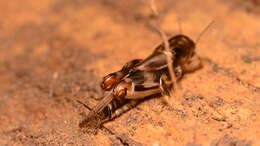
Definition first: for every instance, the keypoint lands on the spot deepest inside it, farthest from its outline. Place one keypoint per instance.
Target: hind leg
(129, 65)
(112, 79)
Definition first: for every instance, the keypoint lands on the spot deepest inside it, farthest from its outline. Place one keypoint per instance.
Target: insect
(142, 78)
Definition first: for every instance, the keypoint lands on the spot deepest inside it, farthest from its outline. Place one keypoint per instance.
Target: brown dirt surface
(54, 52)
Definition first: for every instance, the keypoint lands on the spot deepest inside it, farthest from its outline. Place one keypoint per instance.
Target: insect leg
(193, 64)
(126, 68)
(111, 80)
(129, 65)
(165, 88)
(178, 72)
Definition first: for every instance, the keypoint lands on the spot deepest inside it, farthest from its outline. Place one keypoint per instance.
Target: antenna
(203, 31)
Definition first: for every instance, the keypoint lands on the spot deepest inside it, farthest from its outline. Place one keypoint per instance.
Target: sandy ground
(54, 52)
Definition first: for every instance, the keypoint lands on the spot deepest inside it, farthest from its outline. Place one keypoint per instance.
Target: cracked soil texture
(54, 52)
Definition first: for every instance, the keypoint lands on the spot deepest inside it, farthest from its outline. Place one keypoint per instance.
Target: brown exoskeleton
(141, 78)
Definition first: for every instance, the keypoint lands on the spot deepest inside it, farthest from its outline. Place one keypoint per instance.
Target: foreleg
(165, 88)
(192, 65)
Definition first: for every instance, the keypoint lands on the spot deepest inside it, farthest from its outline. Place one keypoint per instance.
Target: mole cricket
(141, 78)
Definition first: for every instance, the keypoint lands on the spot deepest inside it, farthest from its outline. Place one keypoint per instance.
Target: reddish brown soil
(54, 52)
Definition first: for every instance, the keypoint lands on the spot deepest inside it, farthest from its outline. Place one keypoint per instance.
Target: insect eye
(109, 82)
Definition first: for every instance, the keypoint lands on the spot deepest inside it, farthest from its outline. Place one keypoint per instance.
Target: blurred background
(54, 52)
